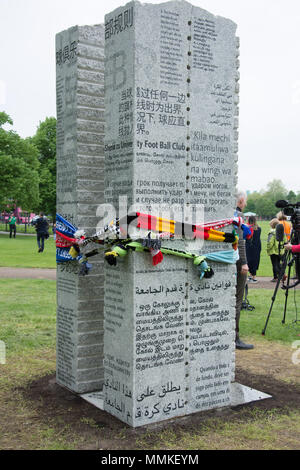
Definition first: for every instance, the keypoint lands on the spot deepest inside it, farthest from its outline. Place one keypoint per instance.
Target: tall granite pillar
(80, 186)
(171, 95)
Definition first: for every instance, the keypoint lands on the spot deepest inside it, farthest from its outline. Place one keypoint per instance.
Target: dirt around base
(267, 368)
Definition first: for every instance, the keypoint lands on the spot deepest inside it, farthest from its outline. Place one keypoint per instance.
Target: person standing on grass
(282, 219)
(241, 272)
(273, 249)
(42, 233)
(12, 225)
(253, 249)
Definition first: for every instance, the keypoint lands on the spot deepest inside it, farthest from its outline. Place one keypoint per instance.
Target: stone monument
(80, 185)
(171, 107)
(171, 100)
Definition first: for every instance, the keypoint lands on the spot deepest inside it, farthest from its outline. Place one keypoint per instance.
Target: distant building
(23, 217)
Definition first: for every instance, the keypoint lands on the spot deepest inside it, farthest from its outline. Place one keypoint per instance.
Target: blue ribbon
(65, 227)
(62, 255)
(227, 256)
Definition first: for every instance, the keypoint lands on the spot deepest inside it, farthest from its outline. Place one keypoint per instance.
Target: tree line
(28, 168)
(263, 202)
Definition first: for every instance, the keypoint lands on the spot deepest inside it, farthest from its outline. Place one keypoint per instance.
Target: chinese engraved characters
(67, 54)
(119, 23)
(125, 113)
(158, 107)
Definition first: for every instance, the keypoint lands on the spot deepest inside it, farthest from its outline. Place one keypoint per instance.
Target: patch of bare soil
(267, 368)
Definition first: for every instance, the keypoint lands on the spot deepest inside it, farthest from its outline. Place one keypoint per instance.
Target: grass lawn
(22, 252)
(252, 322)
(27, 326)
(28, 315)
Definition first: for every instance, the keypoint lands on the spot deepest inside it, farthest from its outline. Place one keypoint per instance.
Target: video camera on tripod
(288, 259)
(292, 211)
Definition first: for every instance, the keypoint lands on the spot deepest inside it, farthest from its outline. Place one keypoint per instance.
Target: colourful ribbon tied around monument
(226, 256)
(65, 240)
(115, 238)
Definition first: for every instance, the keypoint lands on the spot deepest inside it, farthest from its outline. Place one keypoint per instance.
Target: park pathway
(27, 273)
(18, 233)
(43, 273)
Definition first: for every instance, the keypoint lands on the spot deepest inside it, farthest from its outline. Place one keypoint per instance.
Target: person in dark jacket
(253, 249)
(241, 272)
(41, 226)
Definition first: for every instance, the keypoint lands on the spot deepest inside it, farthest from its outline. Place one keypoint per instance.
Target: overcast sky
(269, 32)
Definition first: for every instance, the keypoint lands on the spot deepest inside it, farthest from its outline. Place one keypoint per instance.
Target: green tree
(263, 202)
(292, 197)
(266, 208)
(276, 190)
(18, 168)
(45, 142)
(252, 200)
(5, 119)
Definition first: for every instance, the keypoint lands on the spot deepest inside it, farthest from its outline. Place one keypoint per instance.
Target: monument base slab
(240, 395)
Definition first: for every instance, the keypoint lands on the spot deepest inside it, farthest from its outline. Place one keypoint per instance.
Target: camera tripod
(288, 260)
